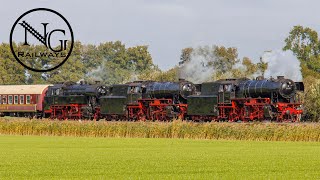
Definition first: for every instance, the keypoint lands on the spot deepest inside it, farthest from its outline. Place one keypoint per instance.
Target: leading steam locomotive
(275, 99)
(247, 100)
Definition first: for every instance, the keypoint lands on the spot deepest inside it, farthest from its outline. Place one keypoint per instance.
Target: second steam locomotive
(276, 99)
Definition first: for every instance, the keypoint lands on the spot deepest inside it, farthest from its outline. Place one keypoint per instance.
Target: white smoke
(197, 70)
(96, 74)
(282, 63)
(106, 74)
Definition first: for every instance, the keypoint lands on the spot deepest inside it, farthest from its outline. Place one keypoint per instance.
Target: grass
(48, 157)
(175, 129)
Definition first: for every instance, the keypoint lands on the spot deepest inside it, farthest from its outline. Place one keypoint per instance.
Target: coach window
(10, 99)
(16, 99)
(4, 99)
(21, 99)
(28, 99)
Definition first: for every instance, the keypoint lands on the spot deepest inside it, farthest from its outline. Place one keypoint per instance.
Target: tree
(114, 52)
(91, 57)
(119, 64)
(139, 59)
(72, 70)
(11, 72)
(312, 98)
(262, 66)
(214, 62)
(304, 43)
(226, 58)
(185, 55)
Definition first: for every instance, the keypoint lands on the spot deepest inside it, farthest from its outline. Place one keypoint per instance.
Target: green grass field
(43, 157)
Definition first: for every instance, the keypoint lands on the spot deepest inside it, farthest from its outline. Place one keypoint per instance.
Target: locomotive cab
(137, 90)
(134, 93)
(226, 93)
(225, 89)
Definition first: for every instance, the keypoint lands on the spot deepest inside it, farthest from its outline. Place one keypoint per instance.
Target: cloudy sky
(167, 26)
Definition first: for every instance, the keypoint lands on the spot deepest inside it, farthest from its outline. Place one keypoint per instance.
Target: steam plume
(282, 63)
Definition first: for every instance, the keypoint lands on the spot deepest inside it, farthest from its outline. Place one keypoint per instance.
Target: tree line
(116, 60)
(113, 62)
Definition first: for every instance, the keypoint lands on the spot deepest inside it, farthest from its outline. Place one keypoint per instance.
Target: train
(235, 99)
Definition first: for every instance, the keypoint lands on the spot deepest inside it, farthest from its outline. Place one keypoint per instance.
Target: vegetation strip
(175, 129)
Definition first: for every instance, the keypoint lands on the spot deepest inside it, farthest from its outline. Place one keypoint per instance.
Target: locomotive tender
(223, 100)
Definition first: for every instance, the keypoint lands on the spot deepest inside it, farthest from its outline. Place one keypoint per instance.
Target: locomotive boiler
(96, 90)
(279, 89)
(178, 91)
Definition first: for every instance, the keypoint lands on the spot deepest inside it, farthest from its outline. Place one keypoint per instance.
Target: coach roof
(23, 89)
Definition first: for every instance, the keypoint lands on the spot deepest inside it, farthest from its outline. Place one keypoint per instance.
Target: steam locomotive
(247, 100)
(151, 100)
(276, 99)
(73, 101)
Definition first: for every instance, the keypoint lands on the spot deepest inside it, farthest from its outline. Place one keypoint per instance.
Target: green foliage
(262, 66)
(221, 62)
(246, 69)
(312, 98)
(185, 55)
(110, 62)
(226, 58)
(11, 72)
(156, 74)
(305, 44)
(139, 59)
(119, 64)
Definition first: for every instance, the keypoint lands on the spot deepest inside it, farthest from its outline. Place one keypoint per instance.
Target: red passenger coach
(22, 100)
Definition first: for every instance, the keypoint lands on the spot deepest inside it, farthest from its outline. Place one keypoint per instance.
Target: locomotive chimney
(259, 78)
(280, 77)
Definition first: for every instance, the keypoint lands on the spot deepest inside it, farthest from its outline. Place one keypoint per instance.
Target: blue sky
(167, 26)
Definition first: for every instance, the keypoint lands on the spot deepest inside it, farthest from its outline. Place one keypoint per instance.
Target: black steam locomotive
(147, 100)
(73, 101)
(223, 100)
(247, 100)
